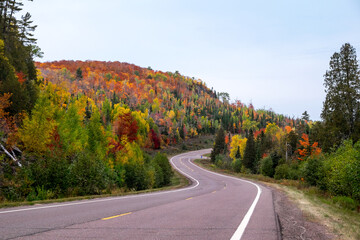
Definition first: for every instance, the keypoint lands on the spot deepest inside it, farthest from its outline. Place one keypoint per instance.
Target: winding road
(214, 206)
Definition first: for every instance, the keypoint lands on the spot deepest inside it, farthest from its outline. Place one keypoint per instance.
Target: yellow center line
(186, 165)
(188, 198)
(116, 216)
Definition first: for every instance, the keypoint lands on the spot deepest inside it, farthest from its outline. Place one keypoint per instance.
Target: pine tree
(219, 145)
(26, 30)
(238, 155)
(250, 152)
(342, 86)
(79, 75)
(305, 116)
(18, 48)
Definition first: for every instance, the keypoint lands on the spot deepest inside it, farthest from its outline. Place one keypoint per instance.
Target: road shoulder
(294, 223)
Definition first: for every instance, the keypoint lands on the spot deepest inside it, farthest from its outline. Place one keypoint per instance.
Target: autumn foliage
(306, 149)
(93, 120)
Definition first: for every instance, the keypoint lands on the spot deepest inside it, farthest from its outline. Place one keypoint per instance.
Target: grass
(177, 181)
(316, 205)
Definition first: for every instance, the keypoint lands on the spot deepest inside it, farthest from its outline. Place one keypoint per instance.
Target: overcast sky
(272, 53)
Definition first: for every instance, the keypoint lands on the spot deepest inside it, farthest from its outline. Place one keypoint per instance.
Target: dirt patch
(294, 224)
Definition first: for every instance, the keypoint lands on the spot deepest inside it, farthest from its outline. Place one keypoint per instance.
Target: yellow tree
(271, 129)
(37, 130)
(237, 142)
(248, 124)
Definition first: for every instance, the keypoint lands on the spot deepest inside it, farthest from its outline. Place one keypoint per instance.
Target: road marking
(241, 229)
(124, 214)
(115, 198)
(186, 165)
(188, 198)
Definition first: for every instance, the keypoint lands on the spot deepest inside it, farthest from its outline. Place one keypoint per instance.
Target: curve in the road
(241, 229)
(206, 209)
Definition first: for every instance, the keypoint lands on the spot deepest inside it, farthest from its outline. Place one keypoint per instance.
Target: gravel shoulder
(294, 224)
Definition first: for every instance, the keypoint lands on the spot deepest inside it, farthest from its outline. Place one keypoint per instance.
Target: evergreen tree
(292, 140)
(17, 49)
(181, 132)
(305, 116)
(219, 145)
(250, 152)
(79, 75)
(238, 155)
(26, 28)
(342, 86)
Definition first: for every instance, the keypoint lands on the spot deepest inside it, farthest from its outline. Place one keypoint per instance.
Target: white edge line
(115, 198)
(241, 229)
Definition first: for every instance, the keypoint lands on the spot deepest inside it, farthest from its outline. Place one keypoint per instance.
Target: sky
(272, 54)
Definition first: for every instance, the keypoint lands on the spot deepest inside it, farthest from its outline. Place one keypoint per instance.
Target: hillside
(180, 106)
(92, 121)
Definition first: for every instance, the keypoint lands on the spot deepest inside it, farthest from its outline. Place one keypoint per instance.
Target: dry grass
(343, 223)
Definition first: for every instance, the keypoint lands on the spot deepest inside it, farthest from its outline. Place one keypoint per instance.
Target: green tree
(305, 116)
(106, 112)
(17, 49)
(224, 96)
(79, 75)
(88, 175)
(36, 131)
(291, 140)
(342, 86)
(238, 155)
(163, 165)
(72, 132)
(219, 144)
(96, 139)
(250, 152)
(267, 167)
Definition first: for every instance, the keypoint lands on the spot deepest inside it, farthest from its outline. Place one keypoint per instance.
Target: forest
(70, 128)
(93, 123)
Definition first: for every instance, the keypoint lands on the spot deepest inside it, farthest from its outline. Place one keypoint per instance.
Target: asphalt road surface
(214, 206)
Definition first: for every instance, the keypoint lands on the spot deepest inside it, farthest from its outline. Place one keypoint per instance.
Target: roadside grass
(177, 181)
(316, 205)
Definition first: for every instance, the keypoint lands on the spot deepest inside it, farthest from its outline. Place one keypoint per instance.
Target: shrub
(236, 165)
(345, 202)
(184, 147)
(266, 167)
(223, 161)
(343, 170)
(313, 171)
(286, 171)
(135, 176)
(50, 173)
(164, 170)
(31, 196)
(88, 175)
(282, 172)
